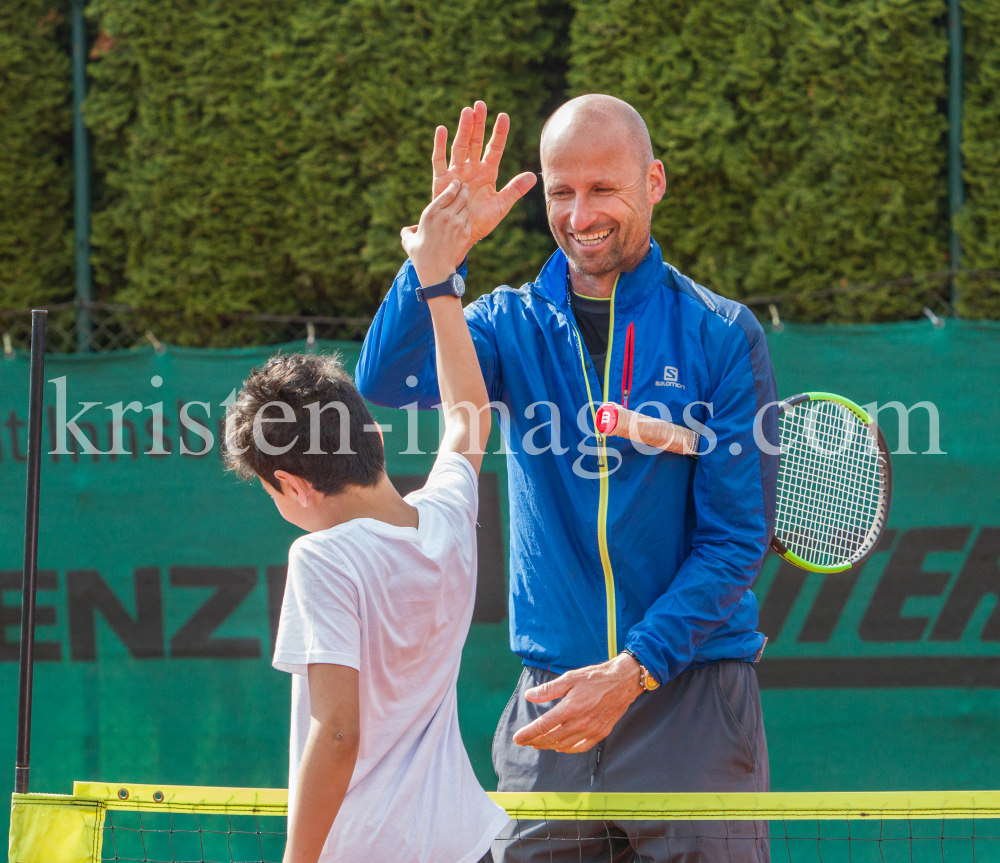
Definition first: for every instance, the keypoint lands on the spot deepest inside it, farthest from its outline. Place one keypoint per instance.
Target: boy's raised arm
(434, 245)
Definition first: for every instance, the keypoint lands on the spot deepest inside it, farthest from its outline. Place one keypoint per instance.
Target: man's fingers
(498, 140)
(439, 157)
(539, 728)
(565, 740)
(478, 131)
(514, 191)
(547, 692)
(460, 146)
(544, 724)
(563, 736)
(583, 745)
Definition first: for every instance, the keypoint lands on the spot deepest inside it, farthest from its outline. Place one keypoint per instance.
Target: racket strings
(830, 484)
(827, 522)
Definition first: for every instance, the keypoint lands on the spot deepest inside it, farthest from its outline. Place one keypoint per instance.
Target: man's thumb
(515, 190)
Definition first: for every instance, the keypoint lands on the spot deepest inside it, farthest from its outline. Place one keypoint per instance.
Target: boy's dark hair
(288, 402)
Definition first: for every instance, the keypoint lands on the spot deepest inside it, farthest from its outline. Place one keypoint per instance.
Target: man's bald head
(601, 184)
(599, 117)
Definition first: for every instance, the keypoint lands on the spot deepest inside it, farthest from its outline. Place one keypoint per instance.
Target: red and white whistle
(615, 420)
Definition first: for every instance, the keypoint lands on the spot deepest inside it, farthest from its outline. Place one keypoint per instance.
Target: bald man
(630, 569)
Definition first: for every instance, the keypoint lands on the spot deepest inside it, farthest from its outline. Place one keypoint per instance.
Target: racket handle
(615, 420)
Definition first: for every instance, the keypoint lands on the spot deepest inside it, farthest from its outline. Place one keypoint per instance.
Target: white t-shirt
(396, 604)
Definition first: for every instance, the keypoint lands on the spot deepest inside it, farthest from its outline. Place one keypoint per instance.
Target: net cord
(795, 805)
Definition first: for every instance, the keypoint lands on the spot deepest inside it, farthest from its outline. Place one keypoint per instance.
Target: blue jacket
(612, 548)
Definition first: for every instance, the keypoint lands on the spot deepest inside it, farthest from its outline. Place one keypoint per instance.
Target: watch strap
(441, 289)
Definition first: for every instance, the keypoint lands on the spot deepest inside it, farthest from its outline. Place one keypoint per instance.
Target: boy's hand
(442, 237)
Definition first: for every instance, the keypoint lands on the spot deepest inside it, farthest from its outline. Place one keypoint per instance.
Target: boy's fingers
(445, 198)
(458, 202)
(462, 198)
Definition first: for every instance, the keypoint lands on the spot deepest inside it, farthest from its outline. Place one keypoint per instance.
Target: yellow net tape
(795, 805)
(186, 798)
(59, 829)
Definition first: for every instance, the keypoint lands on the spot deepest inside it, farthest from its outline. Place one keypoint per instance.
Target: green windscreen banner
(161, 575)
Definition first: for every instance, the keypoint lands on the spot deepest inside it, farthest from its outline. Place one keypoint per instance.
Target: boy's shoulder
(320, 553)
(452, 481)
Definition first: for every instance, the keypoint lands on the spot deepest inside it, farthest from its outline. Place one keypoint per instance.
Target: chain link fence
(98, 327)
(977, 293)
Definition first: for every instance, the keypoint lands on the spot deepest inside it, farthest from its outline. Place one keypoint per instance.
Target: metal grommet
(123, 794)
(158, 796)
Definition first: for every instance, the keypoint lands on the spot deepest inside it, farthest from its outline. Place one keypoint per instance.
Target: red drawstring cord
(627, 365)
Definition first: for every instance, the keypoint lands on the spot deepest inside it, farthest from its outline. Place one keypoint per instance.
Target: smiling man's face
(599, 195)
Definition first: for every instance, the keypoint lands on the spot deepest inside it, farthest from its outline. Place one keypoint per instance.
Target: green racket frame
(866, 418)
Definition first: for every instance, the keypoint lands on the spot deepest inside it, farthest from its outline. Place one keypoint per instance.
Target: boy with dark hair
(380, 591)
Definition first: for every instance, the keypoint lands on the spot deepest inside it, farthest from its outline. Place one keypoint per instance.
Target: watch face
(458, 283)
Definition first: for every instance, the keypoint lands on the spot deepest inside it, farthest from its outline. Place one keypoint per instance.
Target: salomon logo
(670, 378)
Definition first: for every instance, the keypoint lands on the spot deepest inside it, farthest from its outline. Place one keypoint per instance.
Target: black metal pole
(29, 579)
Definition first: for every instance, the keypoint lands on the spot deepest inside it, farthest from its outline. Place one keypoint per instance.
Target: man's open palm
(478, 170)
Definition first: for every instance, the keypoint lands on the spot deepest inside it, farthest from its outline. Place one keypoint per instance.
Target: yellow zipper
(602, 465)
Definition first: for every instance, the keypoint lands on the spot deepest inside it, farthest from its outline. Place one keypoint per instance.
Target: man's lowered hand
(593, 699)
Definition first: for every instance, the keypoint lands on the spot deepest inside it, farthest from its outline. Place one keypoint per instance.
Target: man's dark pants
(703, 731)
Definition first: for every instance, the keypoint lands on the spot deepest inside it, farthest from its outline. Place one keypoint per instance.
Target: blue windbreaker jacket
(612, 548)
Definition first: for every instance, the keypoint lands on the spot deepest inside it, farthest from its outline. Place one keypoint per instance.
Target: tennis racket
(834, 478)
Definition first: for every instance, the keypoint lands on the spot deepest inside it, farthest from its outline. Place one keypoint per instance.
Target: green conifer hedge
(36, 159)
(263, 156)
(979, 222)
(802, 139)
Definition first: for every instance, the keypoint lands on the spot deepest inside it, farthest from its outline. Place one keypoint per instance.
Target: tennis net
(187, 824)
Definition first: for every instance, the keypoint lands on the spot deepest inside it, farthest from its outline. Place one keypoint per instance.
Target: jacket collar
(632, 289)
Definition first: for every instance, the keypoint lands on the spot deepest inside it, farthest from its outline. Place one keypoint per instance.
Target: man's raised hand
(478, 170)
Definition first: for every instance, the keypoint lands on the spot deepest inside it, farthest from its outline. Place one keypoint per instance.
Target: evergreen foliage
(358, 88)
(36, 160)
(979, 221)
(192, 215)
(802, 139)
(262, 156)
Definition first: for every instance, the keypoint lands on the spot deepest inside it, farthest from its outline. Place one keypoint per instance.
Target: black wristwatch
(453, 286)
